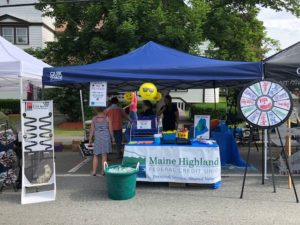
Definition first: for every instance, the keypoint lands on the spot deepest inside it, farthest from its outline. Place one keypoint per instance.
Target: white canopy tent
(16, 66)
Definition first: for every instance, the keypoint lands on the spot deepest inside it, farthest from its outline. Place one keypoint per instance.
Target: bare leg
(103, 160)
(95, 164)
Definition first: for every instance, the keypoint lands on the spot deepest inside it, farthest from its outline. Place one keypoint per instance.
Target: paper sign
(143, 124)
(98, 94)
(201, 126)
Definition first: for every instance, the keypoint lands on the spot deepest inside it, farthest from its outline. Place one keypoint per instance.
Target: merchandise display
(9, 167)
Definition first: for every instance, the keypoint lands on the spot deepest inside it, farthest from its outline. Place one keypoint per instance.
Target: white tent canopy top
(15, 64)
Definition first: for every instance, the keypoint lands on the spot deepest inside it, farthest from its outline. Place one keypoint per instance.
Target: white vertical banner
(98, 93)
(202, 126)
(38, 167)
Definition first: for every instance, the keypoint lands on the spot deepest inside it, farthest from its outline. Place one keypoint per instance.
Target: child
(101, 129)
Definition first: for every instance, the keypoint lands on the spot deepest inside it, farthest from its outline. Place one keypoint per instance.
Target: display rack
(8, 158)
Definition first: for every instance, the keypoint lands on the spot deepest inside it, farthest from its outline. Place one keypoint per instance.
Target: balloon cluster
(148, 91)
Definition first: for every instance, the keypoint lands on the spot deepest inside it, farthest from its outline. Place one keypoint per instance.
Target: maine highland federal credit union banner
(171, 163)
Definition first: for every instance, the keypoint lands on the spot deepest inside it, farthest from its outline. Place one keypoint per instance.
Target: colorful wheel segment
(265, 104)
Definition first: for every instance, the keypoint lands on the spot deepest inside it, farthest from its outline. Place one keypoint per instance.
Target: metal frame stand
(287, 165)
(271, 162)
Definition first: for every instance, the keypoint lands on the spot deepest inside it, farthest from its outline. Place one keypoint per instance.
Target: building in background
(196, 95)
(25, 26)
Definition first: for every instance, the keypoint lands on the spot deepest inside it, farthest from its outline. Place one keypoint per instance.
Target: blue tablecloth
(229, 151)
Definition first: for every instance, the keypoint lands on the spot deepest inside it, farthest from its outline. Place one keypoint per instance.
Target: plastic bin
(120, 186)
(169, 137)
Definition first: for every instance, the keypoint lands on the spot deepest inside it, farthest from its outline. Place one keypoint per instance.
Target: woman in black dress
(170, 114)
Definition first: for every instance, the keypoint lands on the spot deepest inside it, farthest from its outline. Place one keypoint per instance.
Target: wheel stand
(271, 161)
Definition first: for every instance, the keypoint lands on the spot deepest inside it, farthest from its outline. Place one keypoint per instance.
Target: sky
(282, 26)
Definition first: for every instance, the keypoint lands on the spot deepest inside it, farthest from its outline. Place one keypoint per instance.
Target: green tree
(292, 6)
(67, 101)
(97, 31)
(235, 33)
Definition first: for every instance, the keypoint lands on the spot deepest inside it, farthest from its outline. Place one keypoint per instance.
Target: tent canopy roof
(166, 67)
(284, 66)
(14, 62)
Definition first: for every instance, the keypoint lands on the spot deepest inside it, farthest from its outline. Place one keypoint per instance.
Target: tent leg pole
(287, 165)
(289, 150)
(21, 88)
(215, 98)
(226, 106)
(263, 158)
(271, 161)
(43, 89)
(247, 162)
(266, 155)
(82, 114)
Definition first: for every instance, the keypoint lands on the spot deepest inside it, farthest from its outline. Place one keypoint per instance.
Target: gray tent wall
(284, 66)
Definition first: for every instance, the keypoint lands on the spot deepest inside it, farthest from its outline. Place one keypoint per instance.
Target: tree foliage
(235, 33)
(67, 101)
(292, 6)
(97, 31)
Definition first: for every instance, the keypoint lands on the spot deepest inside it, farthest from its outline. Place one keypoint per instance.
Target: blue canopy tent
(166, 67)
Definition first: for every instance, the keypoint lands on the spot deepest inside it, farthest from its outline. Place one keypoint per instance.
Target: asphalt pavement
(82, 199)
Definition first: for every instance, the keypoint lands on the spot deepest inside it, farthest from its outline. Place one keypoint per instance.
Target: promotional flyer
(98, 93)
(202, 126)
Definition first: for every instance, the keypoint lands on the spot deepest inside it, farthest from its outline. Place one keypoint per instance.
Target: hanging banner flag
(38, 167)
(98, 94)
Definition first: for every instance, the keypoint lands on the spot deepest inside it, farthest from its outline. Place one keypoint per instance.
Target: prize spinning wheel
(265, 104)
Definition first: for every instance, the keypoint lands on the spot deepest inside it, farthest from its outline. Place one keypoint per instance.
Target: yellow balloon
(148, 91)
(157, 97)
(128, 96)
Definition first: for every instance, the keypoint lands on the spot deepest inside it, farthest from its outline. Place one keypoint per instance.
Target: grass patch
(221, 105)
(68, 132)
(15, 121)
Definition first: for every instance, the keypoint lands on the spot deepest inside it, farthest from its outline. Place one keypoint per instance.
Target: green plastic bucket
(120, 186)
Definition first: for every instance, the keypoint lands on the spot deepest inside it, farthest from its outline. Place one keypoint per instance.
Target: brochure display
(38, 167)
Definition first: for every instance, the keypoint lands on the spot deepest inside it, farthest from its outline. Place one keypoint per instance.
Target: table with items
(197, 162)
